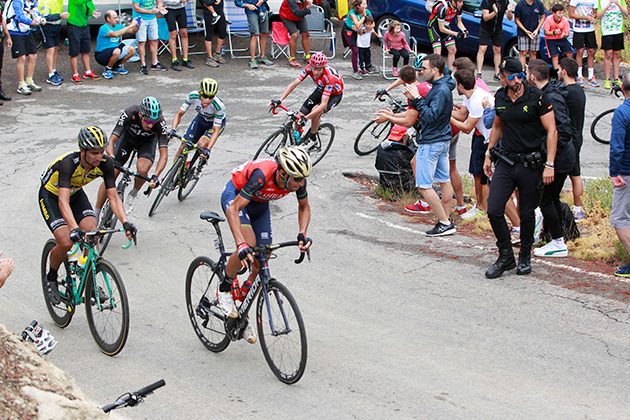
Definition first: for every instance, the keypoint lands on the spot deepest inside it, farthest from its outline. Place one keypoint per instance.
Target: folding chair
(238, 28)
(406, 29)
(279, 40)
(321, 28)
(163, 35)
(194, 24)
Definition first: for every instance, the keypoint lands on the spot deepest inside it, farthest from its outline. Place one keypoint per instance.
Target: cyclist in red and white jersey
(325, 97)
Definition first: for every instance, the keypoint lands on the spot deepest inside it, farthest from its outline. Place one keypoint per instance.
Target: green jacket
(80, 11)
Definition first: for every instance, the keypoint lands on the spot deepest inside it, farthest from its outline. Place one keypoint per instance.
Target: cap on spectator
(397, 133)
(511, 65)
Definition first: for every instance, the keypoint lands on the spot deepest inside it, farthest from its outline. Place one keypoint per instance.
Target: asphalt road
(399, 325)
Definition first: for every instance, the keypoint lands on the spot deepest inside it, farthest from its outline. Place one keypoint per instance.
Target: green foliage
(384, 193)
(621, 253)
(597, 198)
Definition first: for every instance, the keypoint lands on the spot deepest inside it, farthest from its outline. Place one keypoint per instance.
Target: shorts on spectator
(219, 28)
(485, 37)
(79, 40)
(176, 18)
(525, 43)
(557, 47)
(477, 157)
(51, 35)
(148, 30)
(23, 45)
(294, 26)
(438, 38)
(316, 99)
(256, 27)
(452, 150)
(102, 57)
(432, 164)
(576, 171)
(584, 40)
(612, 42)
(620, 212)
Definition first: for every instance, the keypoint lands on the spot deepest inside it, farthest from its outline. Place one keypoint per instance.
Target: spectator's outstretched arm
(6, 268)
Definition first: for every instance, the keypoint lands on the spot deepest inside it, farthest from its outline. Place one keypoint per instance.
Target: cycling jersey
(215, 111)
(256, 181)
(131, 121)
(330, 82)
(443, 12)
(67, 172)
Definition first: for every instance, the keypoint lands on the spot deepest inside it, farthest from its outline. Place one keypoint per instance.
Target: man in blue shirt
(529, 16)
(110, 49)
(147, 10)
(619, 171)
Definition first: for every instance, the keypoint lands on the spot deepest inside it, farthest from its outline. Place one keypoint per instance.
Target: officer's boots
(505, 262)
(524, 261)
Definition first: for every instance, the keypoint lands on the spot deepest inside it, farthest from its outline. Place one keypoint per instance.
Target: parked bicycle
(184, 174)
(373, 134)
(288, 135)
(280, 326)
(132, 399)
(92, 280)
(108, 218)
(601, 127)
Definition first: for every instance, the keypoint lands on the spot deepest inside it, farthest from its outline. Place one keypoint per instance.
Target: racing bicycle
(287, 135)
(601, 127)
(373, 134)
(280, 325)
(184, 174)
(94, 281)
(132, 399)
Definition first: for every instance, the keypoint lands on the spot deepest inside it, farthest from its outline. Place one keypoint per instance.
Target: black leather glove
(77, 235)
(275, 103)
(170, 133)
(244, 250)
(129, 227)
(302, 121)
(156, 180)
(461, 35)
(380, 93)
(466, 33)
(304, 239)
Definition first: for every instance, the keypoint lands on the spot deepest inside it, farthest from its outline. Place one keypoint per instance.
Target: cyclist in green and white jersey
(210, 120)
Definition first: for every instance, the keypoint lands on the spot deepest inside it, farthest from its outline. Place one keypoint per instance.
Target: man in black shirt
(491, 28)
(524, 120)
(576, 102)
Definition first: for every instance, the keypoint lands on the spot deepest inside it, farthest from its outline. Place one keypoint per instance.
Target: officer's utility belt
(534, 160)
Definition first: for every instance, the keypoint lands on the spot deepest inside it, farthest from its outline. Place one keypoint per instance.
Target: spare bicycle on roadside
(601, 127)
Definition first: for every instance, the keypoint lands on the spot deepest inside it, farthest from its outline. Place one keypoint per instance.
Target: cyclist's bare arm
(109, 150)
(395, 84)
(161, 163)
(304, 219)
(66, 210)
(234, 221)
(117, 207)
(177, 118)
(291, 86)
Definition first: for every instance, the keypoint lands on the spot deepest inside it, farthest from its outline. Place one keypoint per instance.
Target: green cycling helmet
(150, 108)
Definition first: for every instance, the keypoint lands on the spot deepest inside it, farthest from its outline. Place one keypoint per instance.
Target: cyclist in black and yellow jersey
(65, 206)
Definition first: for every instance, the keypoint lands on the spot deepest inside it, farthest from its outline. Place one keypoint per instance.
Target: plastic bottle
(82, 261)
(296, 136)
(245, 290)
(236, 290)
(223, 50)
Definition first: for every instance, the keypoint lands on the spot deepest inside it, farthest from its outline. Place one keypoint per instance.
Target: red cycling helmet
(319, 60)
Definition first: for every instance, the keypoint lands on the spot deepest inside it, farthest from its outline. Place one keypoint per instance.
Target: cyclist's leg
(197, 127)
(313, 100)
(333, 101)
(146, 157)
(207, 140)
(49, 207)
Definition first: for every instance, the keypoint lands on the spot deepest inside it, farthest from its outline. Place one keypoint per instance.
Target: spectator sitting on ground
(52, 11)
(6, 268)
(257, 13)
(147, 11)
(110, 51)
(393, 161)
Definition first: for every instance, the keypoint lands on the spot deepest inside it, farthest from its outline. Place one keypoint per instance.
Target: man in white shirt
(584, 13)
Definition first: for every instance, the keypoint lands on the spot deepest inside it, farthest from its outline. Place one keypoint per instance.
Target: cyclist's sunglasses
(206, 96)
(148, 121)
(298, 179)
(511, 77)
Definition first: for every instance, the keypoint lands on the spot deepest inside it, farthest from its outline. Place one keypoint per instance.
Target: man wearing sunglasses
(141, 128)
(524, 121)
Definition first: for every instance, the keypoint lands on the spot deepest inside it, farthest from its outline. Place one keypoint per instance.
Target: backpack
(393, 163)
(569, 226)
(430, 4)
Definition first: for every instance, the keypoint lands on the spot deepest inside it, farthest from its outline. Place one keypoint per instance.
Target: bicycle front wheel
(59, 313)
(319, 146)
(168, 184)
(371, 136)
(281, 331)
(202, 304)
(270, 146)
(601, 128)
(109, 324)
(193, 173)
(109, 219)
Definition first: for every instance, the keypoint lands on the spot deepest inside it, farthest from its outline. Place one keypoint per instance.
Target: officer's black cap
(511, 65)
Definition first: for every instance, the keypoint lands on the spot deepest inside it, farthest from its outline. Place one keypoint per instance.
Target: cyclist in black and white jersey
(210, 120)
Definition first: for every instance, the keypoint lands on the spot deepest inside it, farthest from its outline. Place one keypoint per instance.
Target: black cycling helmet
(92, 137)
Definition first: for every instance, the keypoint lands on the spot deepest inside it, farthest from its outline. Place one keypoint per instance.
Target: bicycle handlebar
(101, 232)
(267, 249)
(133, 398)
(617, 91)
(274, 110)
(129, 172)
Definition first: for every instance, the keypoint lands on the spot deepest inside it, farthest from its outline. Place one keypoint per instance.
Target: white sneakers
(130, 203)
(552, 249)
(472, 213)
(248, 334)
(226, 304)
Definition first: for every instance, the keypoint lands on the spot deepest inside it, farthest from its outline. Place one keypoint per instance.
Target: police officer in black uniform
(524, 121)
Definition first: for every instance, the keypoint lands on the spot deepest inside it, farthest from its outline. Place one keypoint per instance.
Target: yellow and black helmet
(295, 161)
(92, 137)
(208, 87)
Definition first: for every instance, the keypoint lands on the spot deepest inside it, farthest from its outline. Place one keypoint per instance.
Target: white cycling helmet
(295, 161)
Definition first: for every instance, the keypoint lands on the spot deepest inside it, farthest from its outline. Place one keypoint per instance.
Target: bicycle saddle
(211, 217)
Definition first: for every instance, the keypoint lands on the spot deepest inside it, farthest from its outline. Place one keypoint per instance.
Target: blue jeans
(432, 164)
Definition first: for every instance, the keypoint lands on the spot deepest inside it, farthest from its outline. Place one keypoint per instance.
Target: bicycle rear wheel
(193, 173)
(168, 184)
(109, 324)
(202, 304)
(319, 146)
(281, 331)
(59, 313)
(601, 128)
(270, 146)
(371, 136)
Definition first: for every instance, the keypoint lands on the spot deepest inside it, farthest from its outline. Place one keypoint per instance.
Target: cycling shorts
(316, 99)
(176, 18)
(438, 38)
(124, 147)
(49, 207)
(200, 127)
(256, 214)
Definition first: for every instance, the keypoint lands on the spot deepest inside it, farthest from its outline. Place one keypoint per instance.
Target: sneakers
(53, 80)
(187, 64)
(461, 210)
(357, 75)
(593, 82)
(211, 62)
(90, 75)
(395, 71)
(418, 207)
(176, 66)
(23, 90)
(120, 70)
(52, 290)
(607, 84)
(441, 229)
(215, 19)
(478, 76)
(253, 64)
(580, 81)
(248, 334)
(623, 271)
(158, 66)
(474, 212)
(219, 58)
(552, 250)
(130, 203)
(616, 82)
(515, 236)
(107, 74)
(293, 63)
(76, 79)
(226, 304)
(58, 76)
(33, 87)
(578, 216)
(496, 78)
(363, 72)
(143, 69)
(265, 61)
(372, 70)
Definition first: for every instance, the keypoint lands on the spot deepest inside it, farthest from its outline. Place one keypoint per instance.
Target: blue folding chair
(238, 28)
